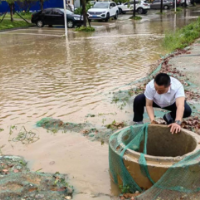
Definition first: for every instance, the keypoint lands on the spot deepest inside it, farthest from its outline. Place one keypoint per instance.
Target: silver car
(157, 3)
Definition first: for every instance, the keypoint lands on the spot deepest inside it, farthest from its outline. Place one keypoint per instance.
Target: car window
(114, 4)
(68, 12)
(48, 11)
(57, 12)
(101, 5)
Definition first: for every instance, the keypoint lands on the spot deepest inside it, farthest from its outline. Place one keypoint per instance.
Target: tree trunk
(161, 6)
(134, 8)
(83, 2)
(11, 11)
(41, 4)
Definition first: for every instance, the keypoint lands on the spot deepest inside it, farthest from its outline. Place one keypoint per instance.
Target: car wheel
(166, 7)
(50, 25)
(120, 11)
(107, 17)
(140, 10)
(116, 16)
(70, 24)
(40, 23)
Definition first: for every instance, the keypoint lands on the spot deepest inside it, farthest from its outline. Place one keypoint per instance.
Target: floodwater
(44, 75)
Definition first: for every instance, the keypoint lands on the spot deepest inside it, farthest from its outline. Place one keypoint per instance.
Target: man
(163, 92)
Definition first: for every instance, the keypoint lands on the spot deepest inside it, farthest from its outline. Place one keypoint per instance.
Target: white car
(188, 3)
(103, 11)
(141, 7)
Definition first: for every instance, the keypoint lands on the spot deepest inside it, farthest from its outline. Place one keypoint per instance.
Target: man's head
(162, 83)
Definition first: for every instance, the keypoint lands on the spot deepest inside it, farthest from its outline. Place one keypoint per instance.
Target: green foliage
(78, 11)
(136, 18)
(25, 15)
(124, 189)
(182, 37)
(178, 9)
(85, 29)
(7, 24)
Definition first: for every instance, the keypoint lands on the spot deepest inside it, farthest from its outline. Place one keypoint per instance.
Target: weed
(136, 18)
(85, 29)
(124, 189)
(182, 37)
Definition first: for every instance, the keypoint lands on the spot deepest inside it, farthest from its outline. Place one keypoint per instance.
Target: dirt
(17, 182)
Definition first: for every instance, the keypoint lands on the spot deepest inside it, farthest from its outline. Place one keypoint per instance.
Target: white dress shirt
(164, 100)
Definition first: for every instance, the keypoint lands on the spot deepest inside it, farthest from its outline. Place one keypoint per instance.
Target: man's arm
(149, 107)
(180, 104)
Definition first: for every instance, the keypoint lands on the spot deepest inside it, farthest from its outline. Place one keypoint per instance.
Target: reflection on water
(44, 75)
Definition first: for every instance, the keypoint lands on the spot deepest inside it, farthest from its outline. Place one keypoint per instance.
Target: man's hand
(174, 128)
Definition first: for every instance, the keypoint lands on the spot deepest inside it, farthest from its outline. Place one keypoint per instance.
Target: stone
(39, 196)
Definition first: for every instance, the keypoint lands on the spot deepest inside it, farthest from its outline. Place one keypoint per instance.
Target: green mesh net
(180, 181)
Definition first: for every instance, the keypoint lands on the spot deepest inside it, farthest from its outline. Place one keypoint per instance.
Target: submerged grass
(85, 29)
(7, 24)
(182, 37)
(136, 18)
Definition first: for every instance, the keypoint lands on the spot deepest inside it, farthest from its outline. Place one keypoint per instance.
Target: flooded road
(45, 75)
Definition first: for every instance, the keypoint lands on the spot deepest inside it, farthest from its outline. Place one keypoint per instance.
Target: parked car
(157, 3)
(55, 16)
(103, 11)
(141, 7)
(172, 2)
(187, 2)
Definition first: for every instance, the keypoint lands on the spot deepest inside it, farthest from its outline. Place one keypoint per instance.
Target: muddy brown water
(45, 75)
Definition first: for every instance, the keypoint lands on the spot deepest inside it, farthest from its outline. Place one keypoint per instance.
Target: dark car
(157, 3)
(55, 16)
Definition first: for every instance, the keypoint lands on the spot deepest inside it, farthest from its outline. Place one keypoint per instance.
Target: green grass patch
(182, 37)
(178, 9)
(136, 18)
(25, 15)
(85, 29)
(7, 24)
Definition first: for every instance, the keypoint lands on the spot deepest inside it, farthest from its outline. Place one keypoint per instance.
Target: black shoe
(168, 118)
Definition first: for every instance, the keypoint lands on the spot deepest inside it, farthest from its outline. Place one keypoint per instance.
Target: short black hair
(162, 79)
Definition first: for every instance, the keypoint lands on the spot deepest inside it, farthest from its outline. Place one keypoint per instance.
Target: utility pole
(65, 17)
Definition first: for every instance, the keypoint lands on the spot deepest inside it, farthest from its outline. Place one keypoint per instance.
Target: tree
(161, 7)
(42, 4)
(11, 4)
(26, 4)
(84, 12)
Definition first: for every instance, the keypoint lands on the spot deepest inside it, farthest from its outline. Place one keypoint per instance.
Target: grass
(182, 37)
(178, 9)
(85, 29)
(7, 24)
(136, 18)
(23, 14)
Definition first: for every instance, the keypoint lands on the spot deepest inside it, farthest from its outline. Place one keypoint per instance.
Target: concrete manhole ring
(163, 150)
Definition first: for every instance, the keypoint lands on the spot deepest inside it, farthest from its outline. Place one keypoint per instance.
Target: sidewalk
(189, 64)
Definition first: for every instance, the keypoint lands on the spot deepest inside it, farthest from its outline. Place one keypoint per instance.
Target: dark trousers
(140, 102)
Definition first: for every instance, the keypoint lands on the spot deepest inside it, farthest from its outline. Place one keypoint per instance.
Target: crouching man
(163, 92)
